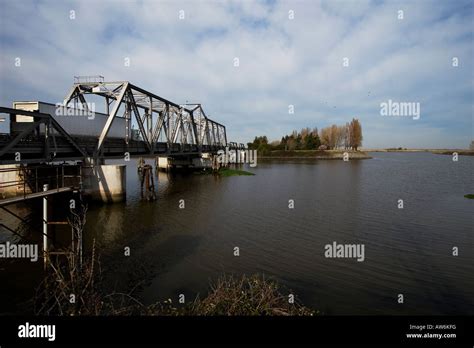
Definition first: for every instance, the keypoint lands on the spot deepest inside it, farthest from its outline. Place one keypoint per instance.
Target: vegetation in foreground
(469, 196)
(72, 287)
(242, 296)
(228, 296)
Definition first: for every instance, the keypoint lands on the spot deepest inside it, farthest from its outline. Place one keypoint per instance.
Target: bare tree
(347, 136)
(326, 136)
(356, 134)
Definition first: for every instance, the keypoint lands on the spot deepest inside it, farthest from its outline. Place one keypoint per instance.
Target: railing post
(24, 182)
(45, 227)
(80, 178)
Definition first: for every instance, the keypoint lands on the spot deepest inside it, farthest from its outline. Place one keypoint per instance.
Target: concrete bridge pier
(104, 182)
(192, 162)
(163, 163)
(10, 174)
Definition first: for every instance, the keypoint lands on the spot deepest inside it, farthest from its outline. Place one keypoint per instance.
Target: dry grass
(228, 296)
(246, 296)
(69, 288)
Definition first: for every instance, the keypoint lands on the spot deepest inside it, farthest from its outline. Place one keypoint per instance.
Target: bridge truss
(159, 120)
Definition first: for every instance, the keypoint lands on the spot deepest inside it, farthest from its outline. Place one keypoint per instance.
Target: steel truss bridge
(164, 127)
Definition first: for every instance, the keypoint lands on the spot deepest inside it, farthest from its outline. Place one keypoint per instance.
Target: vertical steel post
(150, 121)
(128, 121)
(107, 106)
(45, 227)
(24, 181)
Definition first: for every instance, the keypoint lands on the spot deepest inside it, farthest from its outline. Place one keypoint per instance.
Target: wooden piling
(147, 183)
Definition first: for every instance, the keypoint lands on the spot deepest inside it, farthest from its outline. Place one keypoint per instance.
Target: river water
(408, 251)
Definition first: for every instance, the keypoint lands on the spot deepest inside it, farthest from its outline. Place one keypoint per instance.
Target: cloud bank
(331, 60)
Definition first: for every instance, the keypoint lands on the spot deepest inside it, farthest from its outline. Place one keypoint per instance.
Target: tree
(291, 144)
(258, 142)
(299, 142)
(315, 135)
(304, 133)
(309, 142)
(347, 136)
(355, 134)
(333, 136)
(326, 136)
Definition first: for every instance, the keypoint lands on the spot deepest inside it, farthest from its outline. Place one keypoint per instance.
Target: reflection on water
(407, 250)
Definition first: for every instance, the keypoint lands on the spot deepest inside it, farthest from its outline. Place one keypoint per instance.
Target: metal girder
(156, 117)
(70, 95)
(39, 118)
(111, 117)
(139, 120)
(28, 129)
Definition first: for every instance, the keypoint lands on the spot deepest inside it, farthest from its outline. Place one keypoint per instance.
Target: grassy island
(225, 172)
(233, 172)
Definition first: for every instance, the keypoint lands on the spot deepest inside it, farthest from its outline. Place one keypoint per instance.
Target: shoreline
(316, 154)
(461, 152)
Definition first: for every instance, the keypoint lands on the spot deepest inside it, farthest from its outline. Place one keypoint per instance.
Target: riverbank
(229, 295)
(460, 152)
(315, 154)
(450, 152)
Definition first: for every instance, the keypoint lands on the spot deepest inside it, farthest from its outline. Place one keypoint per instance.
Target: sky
(327, 61)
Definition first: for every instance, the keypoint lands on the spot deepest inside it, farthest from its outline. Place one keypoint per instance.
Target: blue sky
(283, 61)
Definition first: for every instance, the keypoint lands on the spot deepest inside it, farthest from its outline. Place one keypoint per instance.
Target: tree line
(348, 136)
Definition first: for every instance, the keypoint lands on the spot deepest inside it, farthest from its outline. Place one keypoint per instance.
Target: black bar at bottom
(259, 330)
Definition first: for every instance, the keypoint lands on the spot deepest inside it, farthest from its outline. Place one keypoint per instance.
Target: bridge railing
(25, 180)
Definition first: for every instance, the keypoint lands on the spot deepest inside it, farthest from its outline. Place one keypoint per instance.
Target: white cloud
(282, 61)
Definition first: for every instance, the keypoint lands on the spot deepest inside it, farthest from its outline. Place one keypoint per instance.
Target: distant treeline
(348, 136)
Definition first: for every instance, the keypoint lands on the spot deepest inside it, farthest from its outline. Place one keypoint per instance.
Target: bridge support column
(9, 174)
(163, 163)
(105, 182)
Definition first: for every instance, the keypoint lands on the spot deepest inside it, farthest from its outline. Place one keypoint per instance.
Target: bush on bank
(228, 296)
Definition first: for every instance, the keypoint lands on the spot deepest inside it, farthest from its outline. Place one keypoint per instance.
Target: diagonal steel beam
(225, 136)
(20, 136)
(44, 118)
(63, 132)
(194, 128)
(139, 120)
(70, 95)
(111, 117)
